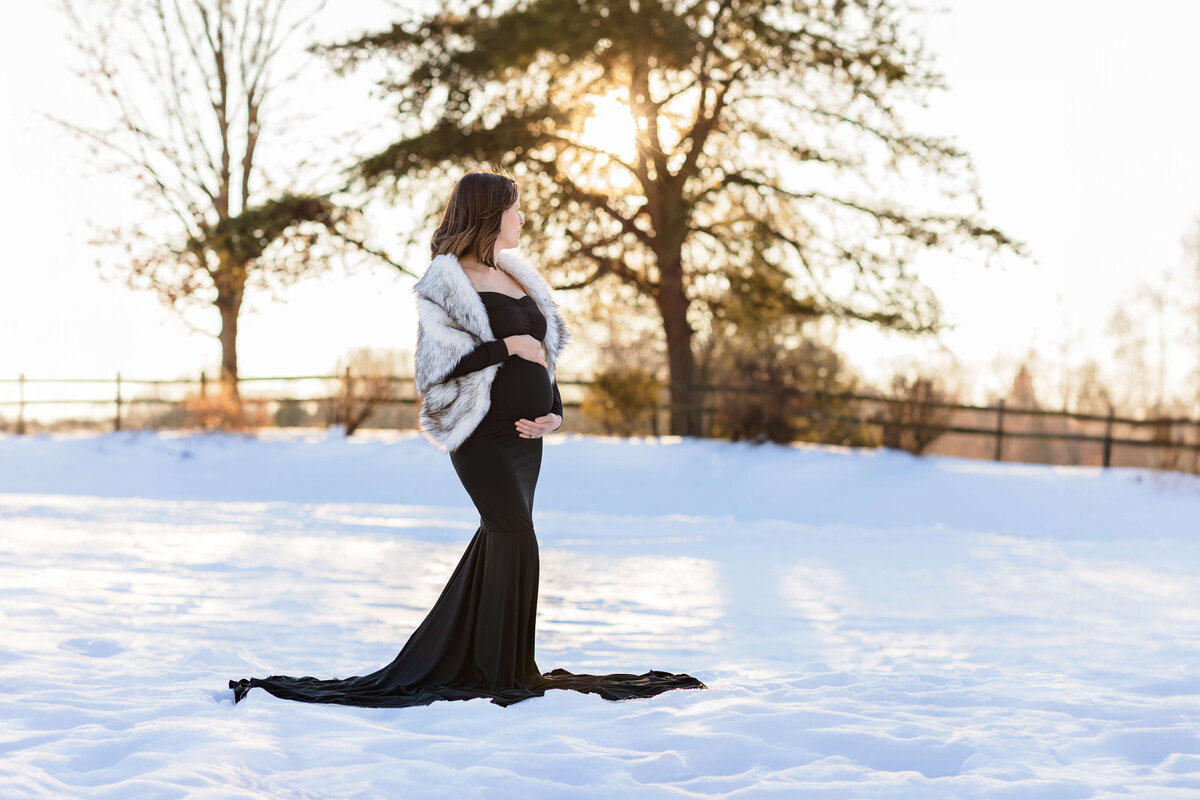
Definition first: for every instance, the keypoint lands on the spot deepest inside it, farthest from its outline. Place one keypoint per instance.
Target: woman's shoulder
(436, 274)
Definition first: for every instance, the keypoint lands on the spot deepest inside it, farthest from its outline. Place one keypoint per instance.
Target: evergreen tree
(685, 148)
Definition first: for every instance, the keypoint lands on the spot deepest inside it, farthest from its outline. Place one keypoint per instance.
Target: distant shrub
(220, 409)
(293, 413)
(621, 400)
(913, 405)
(784, 394)
(1175, 455)
(364, 387)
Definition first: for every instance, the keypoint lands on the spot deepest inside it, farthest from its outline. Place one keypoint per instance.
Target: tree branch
(610, 264)
(361, 244)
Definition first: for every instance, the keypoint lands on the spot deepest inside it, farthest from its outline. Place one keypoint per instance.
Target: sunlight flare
(611, 127)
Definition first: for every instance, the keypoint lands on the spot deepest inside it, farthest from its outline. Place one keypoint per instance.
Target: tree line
(765, 181)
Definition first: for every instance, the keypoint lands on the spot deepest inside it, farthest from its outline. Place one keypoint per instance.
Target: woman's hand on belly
(527, 347)
(538, 427)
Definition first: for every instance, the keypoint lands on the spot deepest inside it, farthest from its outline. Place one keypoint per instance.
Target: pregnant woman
(488, 339)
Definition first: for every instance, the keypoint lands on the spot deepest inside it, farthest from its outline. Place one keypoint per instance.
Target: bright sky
(1082, 126)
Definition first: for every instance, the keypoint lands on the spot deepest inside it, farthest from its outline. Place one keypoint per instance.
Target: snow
(869, 624)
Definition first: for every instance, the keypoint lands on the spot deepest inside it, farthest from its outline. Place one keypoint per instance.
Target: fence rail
(998, 431)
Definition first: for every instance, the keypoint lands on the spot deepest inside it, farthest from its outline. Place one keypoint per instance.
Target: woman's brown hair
(471, 220)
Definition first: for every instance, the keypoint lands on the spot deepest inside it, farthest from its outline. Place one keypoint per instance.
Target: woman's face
(510, 227)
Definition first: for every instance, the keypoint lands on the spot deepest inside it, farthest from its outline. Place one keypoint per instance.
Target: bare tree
(1157, 300)
(1192, 275)
(1128, 335)
(1066, 375)
(190, 89)
(1090, 394)
(911, 421)
(1154, 319)
(1022, 395)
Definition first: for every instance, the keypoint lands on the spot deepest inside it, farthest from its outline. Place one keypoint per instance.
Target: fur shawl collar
(451, 322)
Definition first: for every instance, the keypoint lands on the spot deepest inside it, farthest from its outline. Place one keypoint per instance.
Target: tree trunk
(229, 304)
(681, 361)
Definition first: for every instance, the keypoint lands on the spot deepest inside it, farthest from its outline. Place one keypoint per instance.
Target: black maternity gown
(478, 639)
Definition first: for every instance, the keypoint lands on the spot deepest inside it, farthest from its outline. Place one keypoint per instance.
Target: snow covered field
(870, 625)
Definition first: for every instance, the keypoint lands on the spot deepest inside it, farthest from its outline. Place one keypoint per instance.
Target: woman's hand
(526, 347)
(534, 429)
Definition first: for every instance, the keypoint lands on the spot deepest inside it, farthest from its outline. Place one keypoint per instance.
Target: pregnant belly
(521, 390)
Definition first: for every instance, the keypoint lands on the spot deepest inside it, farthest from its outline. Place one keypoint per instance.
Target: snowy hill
(869, 624)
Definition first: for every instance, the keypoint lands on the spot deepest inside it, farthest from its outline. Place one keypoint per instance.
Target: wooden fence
(1183, 434)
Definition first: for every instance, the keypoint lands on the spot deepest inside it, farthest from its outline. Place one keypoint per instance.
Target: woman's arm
(441, 342)
(482, 356)
(557, 408)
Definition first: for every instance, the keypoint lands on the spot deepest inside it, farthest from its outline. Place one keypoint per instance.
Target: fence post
(21, 405)
(654, 412)
(203, 384)
(822, 422)
(1108, 426)
(117, 421)
(999, 428)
